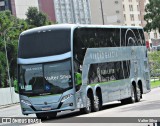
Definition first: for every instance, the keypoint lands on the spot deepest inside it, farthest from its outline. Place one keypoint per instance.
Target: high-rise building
(106, 12)
(132, 12)
(71, 11)
(47, 6)
(60, 11)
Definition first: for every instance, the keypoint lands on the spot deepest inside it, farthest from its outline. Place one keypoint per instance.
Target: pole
(8, 71)
(102, 12)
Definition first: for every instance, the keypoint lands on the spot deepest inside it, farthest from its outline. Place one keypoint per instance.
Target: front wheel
(87, 109)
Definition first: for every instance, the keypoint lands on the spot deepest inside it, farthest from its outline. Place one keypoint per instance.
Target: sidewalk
(8, 105)
(154, 79)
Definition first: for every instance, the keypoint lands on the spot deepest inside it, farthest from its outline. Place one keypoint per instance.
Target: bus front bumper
(54, 107)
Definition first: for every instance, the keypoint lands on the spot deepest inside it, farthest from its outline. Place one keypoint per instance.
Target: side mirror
(16, 89)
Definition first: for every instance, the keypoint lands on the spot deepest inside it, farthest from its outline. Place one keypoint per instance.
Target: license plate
(46, 108)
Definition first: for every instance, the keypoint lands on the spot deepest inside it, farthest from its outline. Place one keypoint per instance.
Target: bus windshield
(44, 43)
(45, 79)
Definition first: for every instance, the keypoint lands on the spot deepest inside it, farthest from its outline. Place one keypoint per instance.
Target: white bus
(68, 67)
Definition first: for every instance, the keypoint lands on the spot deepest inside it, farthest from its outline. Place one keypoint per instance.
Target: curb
(8, 105)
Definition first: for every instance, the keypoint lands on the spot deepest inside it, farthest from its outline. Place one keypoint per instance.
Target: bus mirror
(16, 86)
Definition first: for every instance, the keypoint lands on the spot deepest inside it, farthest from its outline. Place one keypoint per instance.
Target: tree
(152, 16)
(154, 61)
(36, 18)
(10, 28)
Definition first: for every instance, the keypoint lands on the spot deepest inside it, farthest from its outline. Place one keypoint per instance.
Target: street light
(8, 70)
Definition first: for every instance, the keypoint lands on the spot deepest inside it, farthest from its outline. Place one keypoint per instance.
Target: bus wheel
(138, 94)
(132, 99)
(87, 109)
(96, 106)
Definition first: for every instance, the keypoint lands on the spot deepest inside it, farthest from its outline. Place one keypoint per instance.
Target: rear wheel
(138, 94)
(132, 99)
(97, 103)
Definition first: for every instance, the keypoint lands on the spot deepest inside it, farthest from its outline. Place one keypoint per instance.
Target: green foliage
(10, 28)
(154, 60)
(155, 83)
(36, 18)
(152, 16)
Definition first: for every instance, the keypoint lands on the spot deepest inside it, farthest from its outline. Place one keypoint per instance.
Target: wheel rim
(133, 94)
(88, 104)
(96, 102)
(138, 94)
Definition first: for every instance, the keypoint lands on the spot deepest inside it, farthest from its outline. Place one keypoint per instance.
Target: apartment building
(5, 5)
(132, 12)
(72, 11)
(106, 12)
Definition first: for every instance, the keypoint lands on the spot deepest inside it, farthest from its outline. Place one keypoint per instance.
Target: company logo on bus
(103, 55)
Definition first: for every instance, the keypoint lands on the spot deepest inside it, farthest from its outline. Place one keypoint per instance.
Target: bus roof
(69, 26)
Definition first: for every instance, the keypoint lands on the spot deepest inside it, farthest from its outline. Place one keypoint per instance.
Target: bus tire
(138, 94)
(132, 99)
(97, 103)
(88, 107)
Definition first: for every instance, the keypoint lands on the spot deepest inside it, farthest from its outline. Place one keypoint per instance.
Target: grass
(155, 83)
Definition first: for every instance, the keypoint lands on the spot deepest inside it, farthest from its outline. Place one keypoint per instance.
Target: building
(66, 11)
(59, 11)
(20, 7)
(106, 12)
(131, 10)
(5, 5)
(70, 11)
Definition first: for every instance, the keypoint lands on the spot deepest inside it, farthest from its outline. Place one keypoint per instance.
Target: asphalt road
(149, 106)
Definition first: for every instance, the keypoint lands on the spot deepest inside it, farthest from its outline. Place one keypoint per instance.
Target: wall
(5, 96)
(22, 6)
(112, 12)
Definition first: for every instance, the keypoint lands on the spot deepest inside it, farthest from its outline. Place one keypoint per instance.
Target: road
(149, 106)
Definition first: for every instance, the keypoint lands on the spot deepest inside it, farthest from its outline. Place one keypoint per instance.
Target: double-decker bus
(69, 66)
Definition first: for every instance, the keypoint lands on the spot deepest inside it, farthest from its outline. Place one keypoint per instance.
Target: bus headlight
(66, 97)
(26, 102)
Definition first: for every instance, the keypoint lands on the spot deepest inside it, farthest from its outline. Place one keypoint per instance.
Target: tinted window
(94, 38)
(132, 37)
(42, 44)
(110, 71)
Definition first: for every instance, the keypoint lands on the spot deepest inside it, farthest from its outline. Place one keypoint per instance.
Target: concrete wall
(22, 6)
(8, 96)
